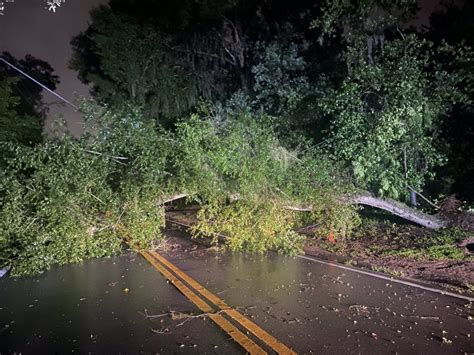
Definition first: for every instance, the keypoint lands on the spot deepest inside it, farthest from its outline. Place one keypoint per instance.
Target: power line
(37, 82)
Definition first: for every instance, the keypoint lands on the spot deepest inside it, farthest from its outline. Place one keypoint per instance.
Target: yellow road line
(199, 302)
(234, 314)
(244, 341)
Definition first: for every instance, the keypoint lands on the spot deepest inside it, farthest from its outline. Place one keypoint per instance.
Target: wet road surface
(98, 307)
(312, 308)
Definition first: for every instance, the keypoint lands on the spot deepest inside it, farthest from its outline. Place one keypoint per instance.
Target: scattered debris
(163, 330)
(178, 316)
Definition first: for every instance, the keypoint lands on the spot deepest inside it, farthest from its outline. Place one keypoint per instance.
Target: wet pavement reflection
(313, 307)
(99, 306)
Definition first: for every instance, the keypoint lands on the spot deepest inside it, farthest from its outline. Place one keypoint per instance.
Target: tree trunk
(394, 207)
(399, 209)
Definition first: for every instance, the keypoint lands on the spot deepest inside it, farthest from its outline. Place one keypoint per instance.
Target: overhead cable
(37, 82)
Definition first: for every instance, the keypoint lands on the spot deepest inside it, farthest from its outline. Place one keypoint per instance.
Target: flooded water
(99, 307)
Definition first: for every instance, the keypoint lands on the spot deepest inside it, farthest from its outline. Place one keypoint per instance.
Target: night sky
(27, 27)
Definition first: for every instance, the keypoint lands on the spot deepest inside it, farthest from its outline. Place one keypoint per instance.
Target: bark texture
(399, 209)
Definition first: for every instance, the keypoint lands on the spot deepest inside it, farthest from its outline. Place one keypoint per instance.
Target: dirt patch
(405, 251)
(451, 210)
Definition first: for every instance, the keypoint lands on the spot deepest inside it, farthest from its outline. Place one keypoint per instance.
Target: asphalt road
(125, 305)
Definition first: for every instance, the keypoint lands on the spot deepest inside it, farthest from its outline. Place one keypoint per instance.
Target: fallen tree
(71, 199)
(450, 214)
(399, 209)
(365, 198)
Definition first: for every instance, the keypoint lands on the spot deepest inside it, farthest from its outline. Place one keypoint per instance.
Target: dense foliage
(251, 166)
(386, 114)
(252, 109)
(65, 200)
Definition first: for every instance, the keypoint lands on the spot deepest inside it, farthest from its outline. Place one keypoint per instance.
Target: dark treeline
(168, 57)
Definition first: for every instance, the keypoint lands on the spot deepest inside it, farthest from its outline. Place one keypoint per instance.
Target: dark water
(309, 307)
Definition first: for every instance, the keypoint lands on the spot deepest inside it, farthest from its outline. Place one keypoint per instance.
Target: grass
(380, 234)
(442, 245)
(385, 236)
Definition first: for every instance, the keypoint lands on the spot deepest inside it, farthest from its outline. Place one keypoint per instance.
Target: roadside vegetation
(67, 199)
(390, 245)
(441, 246)
(410, 241)
(269, 120)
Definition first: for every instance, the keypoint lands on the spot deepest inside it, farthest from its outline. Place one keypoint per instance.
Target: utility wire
(37, 82)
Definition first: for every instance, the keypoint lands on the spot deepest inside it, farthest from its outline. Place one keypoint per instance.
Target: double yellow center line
(174, 274)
